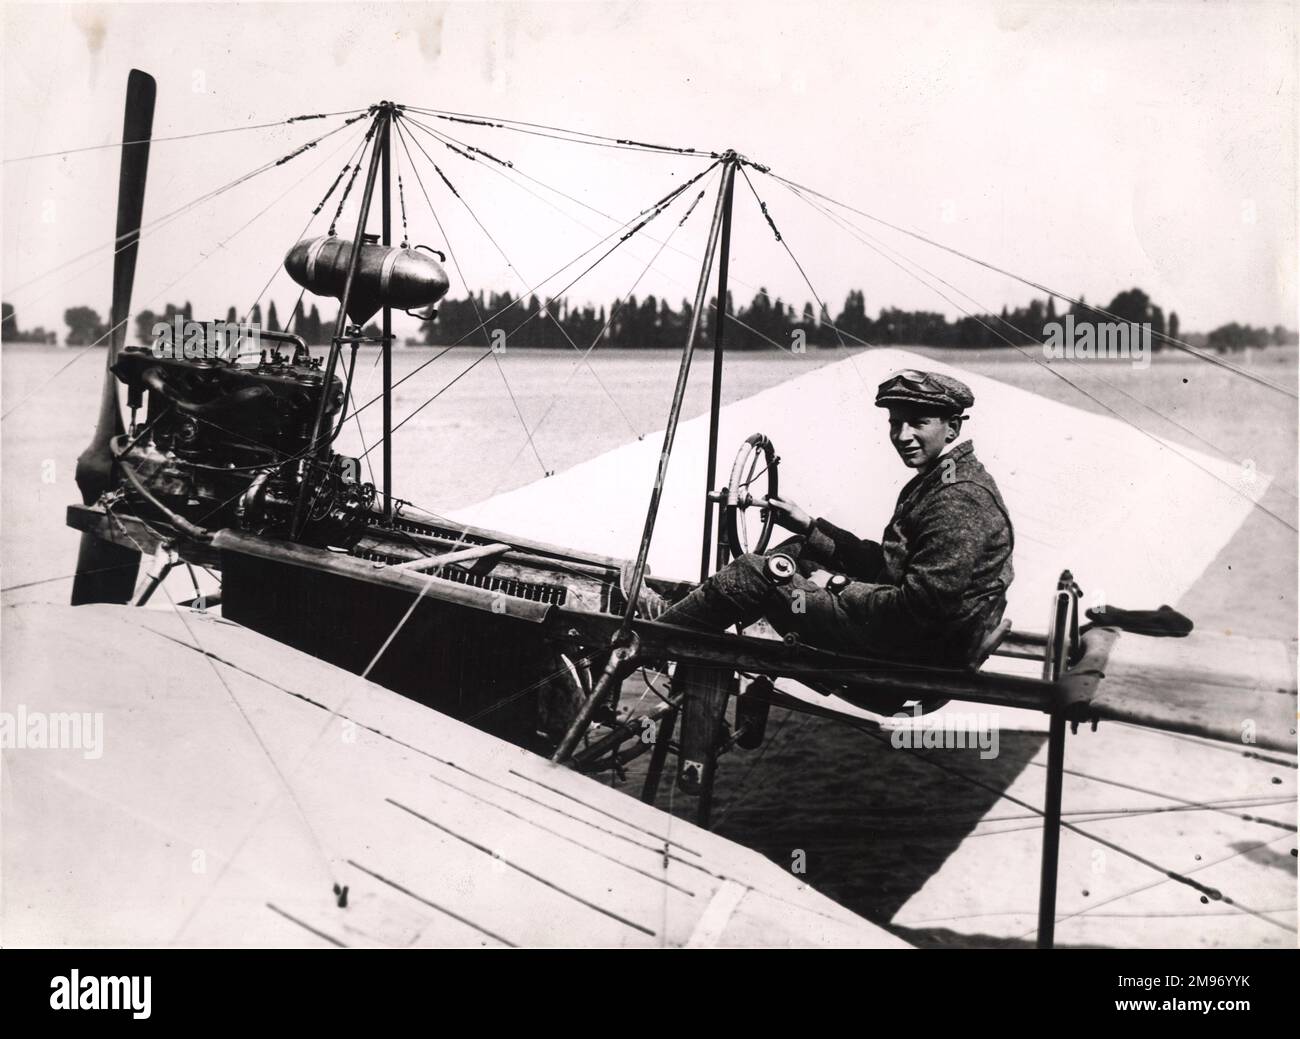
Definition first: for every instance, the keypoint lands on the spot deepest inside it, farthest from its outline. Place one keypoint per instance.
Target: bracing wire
(131, 237)
(1179, 344)
(181, 137)
(1075, 386)
(515, 270)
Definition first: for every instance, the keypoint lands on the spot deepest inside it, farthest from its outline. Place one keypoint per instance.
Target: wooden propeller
(107, 572)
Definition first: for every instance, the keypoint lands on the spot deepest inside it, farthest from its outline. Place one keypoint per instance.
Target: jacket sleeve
(837, 549)
(954, 530)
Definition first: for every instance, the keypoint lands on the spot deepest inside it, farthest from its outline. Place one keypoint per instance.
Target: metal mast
(383, 121)
(623, 652)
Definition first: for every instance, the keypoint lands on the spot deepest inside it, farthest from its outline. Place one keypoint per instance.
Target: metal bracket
(165, 558)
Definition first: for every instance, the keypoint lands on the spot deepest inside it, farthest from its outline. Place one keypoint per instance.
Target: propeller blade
(107, 572)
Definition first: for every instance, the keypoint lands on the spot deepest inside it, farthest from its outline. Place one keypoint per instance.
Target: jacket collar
(962, 452)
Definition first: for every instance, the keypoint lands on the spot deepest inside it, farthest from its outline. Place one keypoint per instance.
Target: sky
(1089, 146)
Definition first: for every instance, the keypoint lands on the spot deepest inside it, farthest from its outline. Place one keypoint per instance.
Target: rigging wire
(1168, 874)
(868, 239)
(357, 154)
(1073, 385)
(356, 169)
(293, 314)
(360, 431)
(528, 434)
(158, 295)
(499, 166)
(759, 290)
(541, 130)
(607, 216)
(1249, 850)
(658, 209)
(129, 238)
(790, 252)
(183, 136)
(1172, 341)
(515, 270)
(419, 368)
(256, 216)
(459, 148)
(1181, 802)
(157, 225)
(555, 397)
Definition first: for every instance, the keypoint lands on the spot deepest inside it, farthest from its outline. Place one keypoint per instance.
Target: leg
(817, 617)
(797, 549)
(742, 591)
(739, 593)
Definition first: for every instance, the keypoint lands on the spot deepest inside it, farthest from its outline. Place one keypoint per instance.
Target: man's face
(918, 436)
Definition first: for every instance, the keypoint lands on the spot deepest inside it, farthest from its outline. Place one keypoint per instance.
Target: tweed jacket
(936, 582)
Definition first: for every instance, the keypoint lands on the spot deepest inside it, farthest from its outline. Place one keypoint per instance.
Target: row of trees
(652, 323)
(309, 324)
(85, 326)
(1233, 337)
(14, 334)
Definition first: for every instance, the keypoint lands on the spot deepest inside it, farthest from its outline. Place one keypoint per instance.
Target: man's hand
(788, 515)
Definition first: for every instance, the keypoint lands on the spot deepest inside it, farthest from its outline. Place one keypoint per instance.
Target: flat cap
(925, 389)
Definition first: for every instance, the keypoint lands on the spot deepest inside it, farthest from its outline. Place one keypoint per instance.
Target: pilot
(929, 591)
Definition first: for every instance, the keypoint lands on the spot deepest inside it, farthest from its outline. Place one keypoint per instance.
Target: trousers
(743, 591)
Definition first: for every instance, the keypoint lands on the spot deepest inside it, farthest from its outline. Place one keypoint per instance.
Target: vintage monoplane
(229, 462)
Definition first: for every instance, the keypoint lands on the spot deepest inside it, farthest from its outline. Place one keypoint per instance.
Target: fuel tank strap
(313, 254)
(386, 271)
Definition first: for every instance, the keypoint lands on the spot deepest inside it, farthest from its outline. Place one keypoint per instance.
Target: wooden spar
(234, 543)
(623, 656)
(386, 239)
(715, 399)
(315, 447)
(576, 629)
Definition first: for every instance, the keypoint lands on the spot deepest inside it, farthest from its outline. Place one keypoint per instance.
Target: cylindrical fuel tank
(386, 275)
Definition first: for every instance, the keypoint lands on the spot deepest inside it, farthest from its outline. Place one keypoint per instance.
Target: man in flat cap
(929, 591)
